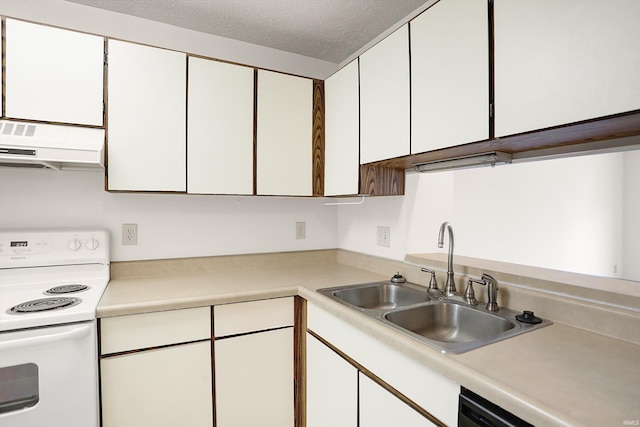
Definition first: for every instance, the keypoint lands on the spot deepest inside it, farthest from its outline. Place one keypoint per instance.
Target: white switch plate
(301, 230)
(384, 236)
(129, 234)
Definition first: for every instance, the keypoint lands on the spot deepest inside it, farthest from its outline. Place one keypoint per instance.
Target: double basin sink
(445, 324)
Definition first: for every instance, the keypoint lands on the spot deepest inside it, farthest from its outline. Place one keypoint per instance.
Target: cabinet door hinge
(490, 110)
(106, 58)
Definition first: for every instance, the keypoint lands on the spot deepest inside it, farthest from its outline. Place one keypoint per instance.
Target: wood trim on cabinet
(299, 361)
(379, 381)
(3, 49)
(213, 367)
(381, 181)
(601, 133)
(492, 106)
(255, 131)
(318, 138)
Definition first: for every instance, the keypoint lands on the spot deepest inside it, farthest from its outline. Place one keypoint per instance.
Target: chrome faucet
(450, 286)
(492, 292)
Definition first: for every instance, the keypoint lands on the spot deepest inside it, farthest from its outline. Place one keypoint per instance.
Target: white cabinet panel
(244, 317)
(450, 75)
(430, 390)
(384, 98)
(53, 75)
(138, 331)
(562, 61)
(220, 128)
(342, 132)
(146, 118)
(161, 388)
(284, 133)
(380, 408)
(332, 387)
(254, 380)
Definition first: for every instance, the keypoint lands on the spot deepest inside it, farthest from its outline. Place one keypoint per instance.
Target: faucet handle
(469, 294)
(492, 292)
(433, 283)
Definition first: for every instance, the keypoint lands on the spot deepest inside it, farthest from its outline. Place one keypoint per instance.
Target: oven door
(48, 376)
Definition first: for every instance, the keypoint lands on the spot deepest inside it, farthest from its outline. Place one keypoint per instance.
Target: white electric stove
(50, 284)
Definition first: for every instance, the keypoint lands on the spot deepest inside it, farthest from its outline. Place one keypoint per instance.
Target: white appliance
(51, 146)
(50, 284)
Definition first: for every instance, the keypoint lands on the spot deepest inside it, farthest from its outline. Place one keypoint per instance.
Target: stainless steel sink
(446, 324)
(450, 323)
(378, 296)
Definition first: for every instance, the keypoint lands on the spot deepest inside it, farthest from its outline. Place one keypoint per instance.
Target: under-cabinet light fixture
(484, 159)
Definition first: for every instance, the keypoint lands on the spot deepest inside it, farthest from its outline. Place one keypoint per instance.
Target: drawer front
(140, 331)
(240, 318)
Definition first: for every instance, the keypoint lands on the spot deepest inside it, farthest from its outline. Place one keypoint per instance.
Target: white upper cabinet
(562, 61)
(219, 128)
(146, 118)
(284, 134)
(449, 75)
(384, 98)
(53, 75)
(342, 132)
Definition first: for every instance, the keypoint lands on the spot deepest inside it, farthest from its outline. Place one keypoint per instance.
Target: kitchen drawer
(233, 319)
(140, 331)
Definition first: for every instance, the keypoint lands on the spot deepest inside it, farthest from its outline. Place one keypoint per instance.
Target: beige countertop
(557, 375)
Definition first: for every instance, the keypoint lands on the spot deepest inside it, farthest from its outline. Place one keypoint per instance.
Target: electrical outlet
(129, 234)
(384, 236)
(301, 230)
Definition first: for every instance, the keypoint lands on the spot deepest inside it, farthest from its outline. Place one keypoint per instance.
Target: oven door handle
(76, 333)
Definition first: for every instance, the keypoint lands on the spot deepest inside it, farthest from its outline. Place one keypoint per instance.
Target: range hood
(59, 147)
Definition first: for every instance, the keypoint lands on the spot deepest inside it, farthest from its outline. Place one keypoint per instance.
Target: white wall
(169, 226)
(105, 23)
(564, 214)
(631, 236)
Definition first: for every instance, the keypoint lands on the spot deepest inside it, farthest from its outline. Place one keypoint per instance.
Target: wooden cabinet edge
(381, 180)
(604, 132)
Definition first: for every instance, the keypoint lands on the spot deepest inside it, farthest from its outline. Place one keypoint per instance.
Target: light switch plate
(384, 236)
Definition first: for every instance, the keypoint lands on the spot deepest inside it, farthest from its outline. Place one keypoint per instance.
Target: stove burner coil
(66, 289)
(44, 304)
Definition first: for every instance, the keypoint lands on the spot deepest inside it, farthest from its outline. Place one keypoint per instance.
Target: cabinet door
(220, 128)
(384, 98)
(53, 75)
(146, 131)
(332, 387)
(342, 132)
(562, 61)
(380, 408)
(284, 133)
(254, 379)
(449, 75)
(165, 387)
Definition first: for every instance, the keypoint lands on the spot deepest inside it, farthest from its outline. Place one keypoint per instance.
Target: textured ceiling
(330, 30)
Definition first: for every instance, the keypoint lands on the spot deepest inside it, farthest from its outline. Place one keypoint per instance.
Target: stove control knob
(74, 245)
(92, 244)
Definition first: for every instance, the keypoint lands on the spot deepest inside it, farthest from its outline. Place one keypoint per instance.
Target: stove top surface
(51, 278)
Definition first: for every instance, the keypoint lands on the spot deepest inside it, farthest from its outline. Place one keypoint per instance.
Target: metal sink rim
(442, 346)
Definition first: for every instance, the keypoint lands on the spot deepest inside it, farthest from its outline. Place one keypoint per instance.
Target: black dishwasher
(474, 411)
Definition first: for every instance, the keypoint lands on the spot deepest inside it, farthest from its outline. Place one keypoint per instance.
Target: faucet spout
(450, 287)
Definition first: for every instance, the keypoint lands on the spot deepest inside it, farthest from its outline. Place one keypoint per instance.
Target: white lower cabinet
(254, 379)
(163, 387)
(379, 408)
(254, 366)
(332, 387)
(428, 390)
(155, 369)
